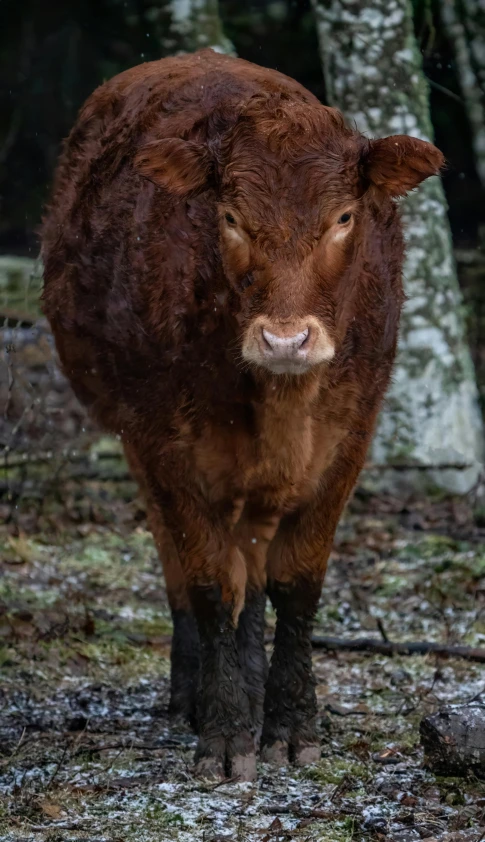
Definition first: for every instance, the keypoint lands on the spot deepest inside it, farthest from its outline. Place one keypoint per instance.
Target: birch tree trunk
(189, 25)
(373, 73)
(474, 19)
(466, 33)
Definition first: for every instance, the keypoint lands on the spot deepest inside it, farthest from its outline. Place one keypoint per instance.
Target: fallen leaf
(275, 825)
(52, 810)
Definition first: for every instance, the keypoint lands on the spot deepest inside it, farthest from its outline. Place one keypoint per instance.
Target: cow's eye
(346, 217)
(230, 219)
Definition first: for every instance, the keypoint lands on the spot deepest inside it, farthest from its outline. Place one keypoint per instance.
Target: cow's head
(300, 210)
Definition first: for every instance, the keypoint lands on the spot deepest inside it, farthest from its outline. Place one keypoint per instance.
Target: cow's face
(297, 195)
(288, 225)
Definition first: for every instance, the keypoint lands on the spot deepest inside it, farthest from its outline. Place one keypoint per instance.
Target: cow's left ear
(180, 166)
(399, 163)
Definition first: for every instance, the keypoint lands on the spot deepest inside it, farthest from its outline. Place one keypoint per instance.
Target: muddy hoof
(276, 753)
(211, 768)
(307, 755)
(243, 767)
(232, 757)
(279, 753)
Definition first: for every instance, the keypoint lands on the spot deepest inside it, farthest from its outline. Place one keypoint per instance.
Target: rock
(454, 741)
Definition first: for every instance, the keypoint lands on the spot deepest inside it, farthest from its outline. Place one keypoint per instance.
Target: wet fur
(245, 473)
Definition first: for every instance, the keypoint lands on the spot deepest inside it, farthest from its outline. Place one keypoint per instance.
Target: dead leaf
(52, 810)
(408, 801)
(275, 825)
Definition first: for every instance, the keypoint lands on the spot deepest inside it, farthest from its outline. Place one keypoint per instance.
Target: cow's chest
(274, 464)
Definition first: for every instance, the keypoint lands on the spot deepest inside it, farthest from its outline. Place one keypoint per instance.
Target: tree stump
(454, 741)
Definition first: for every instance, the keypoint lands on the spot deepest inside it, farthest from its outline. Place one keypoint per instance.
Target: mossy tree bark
(188, 25)
(373, 73)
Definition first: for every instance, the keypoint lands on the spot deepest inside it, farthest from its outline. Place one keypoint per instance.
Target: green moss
(332, 770)
(159, 816)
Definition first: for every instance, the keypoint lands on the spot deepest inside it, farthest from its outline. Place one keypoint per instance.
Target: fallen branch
(17, 459)
(387, 647)
(412, 466)
(12, 459)
(301, 812)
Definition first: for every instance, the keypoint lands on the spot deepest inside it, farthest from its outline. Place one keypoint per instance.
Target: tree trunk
(471, 73)
(373, 73)
(189, 25)
(474, 19)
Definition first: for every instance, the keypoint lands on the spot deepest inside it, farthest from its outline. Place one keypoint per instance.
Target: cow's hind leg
(184, 658)
(185, 655)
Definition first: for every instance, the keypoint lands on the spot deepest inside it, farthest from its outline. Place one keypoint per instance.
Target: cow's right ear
(179, 166)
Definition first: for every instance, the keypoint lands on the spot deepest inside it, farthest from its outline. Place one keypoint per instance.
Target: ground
(86, 748)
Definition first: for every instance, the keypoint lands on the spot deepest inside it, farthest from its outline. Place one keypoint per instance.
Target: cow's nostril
(306, 334)
(285, 345)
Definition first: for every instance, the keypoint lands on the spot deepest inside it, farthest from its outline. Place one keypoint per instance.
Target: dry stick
(296, 810)
(58, 768)
(381, 647)
(17, 460)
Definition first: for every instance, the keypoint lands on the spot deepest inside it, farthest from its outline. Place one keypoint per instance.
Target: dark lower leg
(226, 745)
(184, 668)
(290, 709)
(252, 655)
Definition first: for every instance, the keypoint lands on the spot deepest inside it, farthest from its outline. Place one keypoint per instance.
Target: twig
(296, 810)
(212, 787)
(165, 744)
(58, 768)
(444, 90)
(380, 626)
(411, 466)
(411, 647)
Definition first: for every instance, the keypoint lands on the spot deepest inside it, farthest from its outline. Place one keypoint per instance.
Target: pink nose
(284, 347)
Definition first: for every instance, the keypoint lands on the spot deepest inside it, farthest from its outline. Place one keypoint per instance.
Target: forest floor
(86, 748)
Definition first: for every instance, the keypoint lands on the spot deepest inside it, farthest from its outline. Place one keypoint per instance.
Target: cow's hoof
(306, 755)
(226, 758)
(279, 753)
(243, 767)
(276, 753)
(211, 768)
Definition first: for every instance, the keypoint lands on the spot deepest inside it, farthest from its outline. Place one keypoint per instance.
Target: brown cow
(223, 279)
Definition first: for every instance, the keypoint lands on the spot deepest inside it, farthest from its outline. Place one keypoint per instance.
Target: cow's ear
(180, 166)
(399, 163)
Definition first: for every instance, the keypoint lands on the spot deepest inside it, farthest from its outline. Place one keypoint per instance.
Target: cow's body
(222, 276)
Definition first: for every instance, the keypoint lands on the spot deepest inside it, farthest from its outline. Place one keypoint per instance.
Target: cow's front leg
(253, 533)
(226, 734)
(290, 709)
(297, 560)
(215, 577)
(252, 656)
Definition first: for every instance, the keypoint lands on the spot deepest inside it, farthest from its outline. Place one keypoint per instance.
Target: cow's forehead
(275, 187)
(276, 162)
